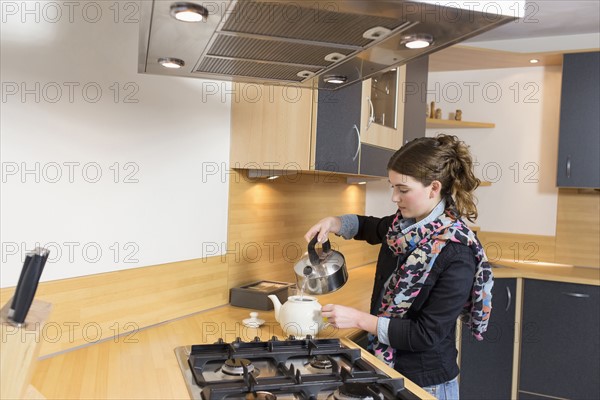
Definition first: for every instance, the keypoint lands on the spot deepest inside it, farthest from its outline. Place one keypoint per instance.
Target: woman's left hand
(347, 317)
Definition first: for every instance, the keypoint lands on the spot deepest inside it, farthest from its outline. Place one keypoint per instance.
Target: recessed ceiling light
(170, 62)
(417, 41)
(273, 177)
(534, 61)
(188, 12)
(335, 79)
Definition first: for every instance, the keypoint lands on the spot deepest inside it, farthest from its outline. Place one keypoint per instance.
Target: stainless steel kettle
(321, 271)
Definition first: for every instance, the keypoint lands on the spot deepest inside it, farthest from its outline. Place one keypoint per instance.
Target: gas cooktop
(311, 369)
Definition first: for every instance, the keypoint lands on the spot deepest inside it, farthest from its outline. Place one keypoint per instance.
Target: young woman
(431, 268)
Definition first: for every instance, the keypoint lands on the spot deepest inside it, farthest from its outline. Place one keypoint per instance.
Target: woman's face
(413, 199)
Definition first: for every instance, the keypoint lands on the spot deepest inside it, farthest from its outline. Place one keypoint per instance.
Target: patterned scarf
(424, 244)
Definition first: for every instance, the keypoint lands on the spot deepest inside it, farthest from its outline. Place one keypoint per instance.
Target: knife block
(20, 347)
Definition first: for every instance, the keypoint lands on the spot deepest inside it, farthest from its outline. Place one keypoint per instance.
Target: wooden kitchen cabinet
(287, 127)
(379, 143)
(486, 366)
(271, 127)
(559, 340)
(579, 133)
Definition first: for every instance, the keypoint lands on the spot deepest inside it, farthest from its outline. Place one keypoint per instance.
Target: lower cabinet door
(486, 366)
(560, 343)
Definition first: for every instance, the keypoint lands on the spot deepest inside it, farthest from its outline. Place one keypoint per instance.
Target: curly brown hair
(443, 158)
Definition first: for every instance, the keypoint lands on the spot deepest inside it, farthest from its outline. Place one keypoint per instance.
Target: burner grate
(337, 372)
(279, 351)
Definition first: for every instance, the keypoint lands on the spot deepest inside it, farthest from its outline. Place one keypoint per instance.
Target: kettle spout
(276, 304)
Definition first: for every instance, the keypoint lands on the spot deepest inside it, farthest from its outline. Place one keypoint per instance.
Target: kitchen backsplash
(268, 220)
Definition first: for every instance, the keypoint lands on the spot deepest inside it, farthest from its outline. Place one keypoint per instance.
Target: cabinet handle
(371, 113)
(578, 295)
(509, 296)
(568, 166)
(357, 147)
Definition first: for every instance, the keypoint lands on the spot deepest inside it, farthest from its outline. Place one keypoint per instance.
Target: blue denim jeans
(444, 391)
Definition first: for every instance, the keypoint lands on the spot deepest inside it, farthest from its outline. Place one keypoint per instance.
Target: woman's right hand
(323, 227)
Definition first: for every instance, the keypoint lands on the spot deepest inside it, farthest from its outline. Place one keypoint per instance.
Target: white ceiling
(544, 22)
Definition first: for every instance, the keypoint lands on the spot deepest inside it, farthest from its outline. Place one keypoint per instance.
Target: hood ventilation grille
(273, 51)
(305, 42)
(253, 43)
(254, 69)
(316, 24)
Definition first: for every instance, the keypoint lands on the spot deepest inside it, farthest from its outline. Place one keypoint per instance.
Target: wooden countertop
(548, 272)
(142, 365)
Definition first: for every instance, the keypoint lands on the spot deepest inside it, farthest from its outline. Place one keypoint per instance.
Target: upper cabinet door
(338, 130)
(579, 143)
(382, 104)
(270, 127)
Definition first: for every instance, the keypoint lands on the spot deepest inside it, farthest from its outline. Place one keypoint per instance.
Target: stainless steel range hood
(304, 42)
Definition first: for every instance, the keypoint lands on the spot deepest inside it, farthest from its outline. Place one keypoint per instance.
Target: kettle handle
(312, 253)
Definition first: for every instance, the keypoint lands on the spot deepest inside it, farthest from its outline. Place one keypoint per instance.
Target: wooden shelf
(451, 124)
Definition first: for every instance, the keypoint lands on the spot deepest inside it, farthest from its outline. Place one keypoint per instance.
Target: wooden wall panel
(578, 227)
(520, 248)
(98, 307)
(268, 219)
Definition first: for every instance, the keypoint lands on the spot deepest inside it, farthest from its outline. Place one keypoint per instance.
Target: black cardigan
(424, 339)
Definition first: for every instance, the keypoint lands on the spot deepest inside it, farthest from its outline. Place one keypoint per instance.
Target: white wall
(379, 199)
(155, 131)
(519, 154)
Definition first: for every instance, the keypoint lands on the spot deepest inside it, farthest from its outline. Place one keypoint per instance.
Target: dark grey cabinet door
(338, 129)
(486, 366)
(579, 143)
(531, 396)
(559, 344)
(374, 160)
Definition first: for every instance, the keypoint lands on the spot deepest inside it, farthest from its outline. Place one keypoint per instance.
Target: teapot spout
(276, 304)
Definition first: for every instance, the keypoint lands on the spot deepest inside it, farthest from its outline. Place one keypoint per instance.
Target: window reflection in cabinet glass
(383, 100)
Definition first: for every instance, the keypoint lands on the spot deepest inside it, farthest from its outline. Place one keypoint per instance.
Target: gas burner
(354, 391)
(235, 366)
(321, 362)
(261, 396)
(308, 369)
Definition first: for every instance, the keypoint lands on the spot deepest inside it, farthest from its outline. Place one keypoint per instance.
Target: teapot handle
(312, 253)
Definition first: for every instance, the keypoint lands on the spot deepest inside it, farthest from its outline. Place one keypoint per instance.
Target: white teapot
(299, 316)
